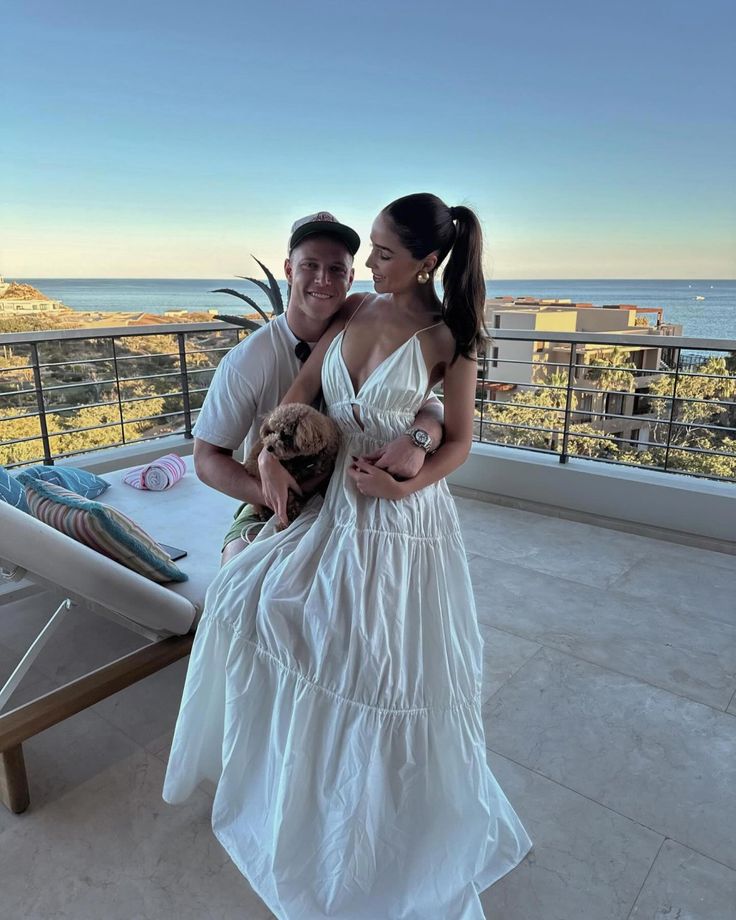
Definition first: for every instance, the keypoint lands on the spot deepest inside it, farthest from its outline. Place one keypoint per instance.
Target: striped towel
(157, 476)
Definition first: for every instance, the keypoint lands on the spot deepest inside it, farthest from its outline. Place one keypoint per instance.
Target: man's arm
(401, 457)
(431, 417)
(229, 412)
(217, 467)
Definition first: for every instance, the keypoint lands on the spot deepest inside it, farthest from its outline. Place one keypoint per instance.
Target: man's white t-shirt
(249, 382)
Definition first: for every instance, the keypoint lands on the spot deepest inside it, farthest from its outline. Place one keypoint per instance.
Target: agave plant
(272, 292)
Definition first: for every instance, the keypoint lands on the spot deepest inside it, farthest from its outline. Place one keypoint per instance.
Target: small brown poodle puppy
(306, 443)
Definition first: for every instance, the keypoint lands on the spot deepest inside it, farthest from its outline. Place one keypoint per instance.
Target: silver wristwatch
(420, 438)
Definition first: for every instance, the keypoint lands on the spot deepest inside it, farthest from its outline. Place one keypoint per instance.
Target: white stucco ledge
(643, 501)
(684, 509)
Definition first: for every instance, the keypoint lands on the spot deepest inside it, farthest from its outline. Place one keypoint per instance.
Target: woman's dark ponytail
(464, 288)
(425, 224)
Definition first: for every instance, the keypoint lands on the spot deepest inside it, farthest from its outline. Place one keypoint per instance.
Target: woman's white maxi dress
(333, 694)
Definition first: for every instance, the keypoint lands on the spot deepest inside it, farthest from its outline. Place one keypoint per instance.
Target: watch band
(420, 438)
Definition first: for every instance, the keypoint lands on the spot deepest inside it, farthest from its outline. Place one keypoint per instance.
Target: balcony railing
(681, 414)
(66, 393)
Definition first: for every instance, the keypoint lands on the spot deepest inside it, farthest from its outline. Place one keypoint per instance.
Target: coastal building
(21, 299)
(511, 365)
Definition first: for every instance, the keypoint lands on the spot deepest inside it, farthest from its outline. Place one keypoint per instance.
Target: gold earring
(423, 277)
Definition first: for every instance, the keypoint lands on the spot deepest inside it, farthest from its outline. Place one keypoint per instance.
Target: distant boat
(699, 297)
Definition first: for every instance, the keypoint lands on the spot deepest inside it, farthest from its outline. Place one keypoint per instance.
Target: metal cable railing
(607, 397)
(612, 397)
(64, 393)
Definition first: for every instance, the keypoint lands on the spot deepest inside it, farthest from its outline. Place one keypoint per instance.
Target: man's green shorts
(244, 517)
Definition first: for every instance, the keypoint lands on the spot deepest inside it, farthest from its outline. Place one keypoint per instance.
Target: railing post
(568, 401)
(672, 409)
(47, 458)
(185, 385)
(482, 360)
(117, 387)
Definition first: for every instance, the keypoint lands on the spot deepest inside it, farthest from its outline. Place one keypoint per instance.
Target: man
(254, 376)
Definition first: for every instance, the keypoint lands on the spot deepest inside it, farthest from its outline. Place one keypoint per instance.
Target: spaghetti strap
(426, 328)
(344, 328)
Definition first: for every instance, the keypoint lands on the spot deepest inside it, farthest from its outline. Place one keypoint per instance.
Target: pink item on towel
(157, 476)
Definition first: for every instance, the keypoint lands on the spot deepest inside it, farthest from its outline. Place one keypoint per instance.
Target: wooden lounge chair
(191, 516)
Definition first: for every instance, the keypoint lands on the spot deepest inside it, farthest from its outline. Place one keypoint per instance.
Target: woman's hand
(370, 480)
(275, 484)
(400, 457)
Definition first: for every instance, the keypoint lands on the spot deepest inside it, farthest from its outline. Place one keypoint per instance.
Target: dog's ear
(307, 436)
(316, 433)
(308, 439)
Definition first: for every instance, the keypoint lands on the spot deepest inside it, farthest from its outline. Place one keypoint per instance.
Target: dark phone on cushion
(173, 551)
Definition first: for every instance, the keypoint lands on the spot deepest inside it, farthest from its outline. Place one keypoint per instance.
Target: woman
(334, 687)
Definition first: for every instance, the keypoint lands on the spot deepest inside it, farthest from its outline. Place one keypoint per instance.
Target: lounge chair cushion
(82, 482)
(11, 491)
(12, 485)
(102, 528)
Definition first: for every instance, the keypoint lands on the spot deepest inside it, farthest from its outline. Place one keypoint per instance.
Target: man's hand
(401, 457)
(369, 480)
(275, 484)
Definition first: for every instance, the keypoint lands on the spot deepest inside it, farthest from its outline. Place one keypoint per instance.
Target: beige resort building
(514, 364)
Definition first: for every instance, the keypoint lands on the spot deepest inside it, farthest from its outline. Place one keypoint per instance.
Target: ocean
(706, 309)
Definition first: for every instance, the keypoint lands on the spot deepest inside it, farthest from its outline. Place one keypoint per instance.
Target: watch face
(421, 437)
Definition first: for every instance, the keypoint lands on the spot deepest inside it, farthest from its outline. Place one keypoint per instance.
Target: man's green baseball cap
(323, 224)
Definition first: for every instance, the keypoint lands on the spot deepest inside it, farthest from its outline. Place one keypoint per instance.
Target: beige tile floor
(610, 715)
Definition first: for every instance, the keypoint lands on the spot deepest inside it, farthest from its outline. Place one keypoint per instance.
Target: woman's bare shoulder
(443, 341)
(352, 304)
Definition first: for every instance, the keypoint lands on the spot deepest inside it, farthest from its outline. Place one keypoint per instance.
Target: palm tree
(612, 371)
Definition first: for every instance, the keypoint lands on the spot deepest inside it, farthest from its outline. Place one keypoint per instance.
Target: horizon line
(19, 279)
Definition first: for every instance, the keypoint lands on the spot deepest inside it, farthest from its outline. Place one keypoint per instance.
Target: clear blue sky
(171, 139)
